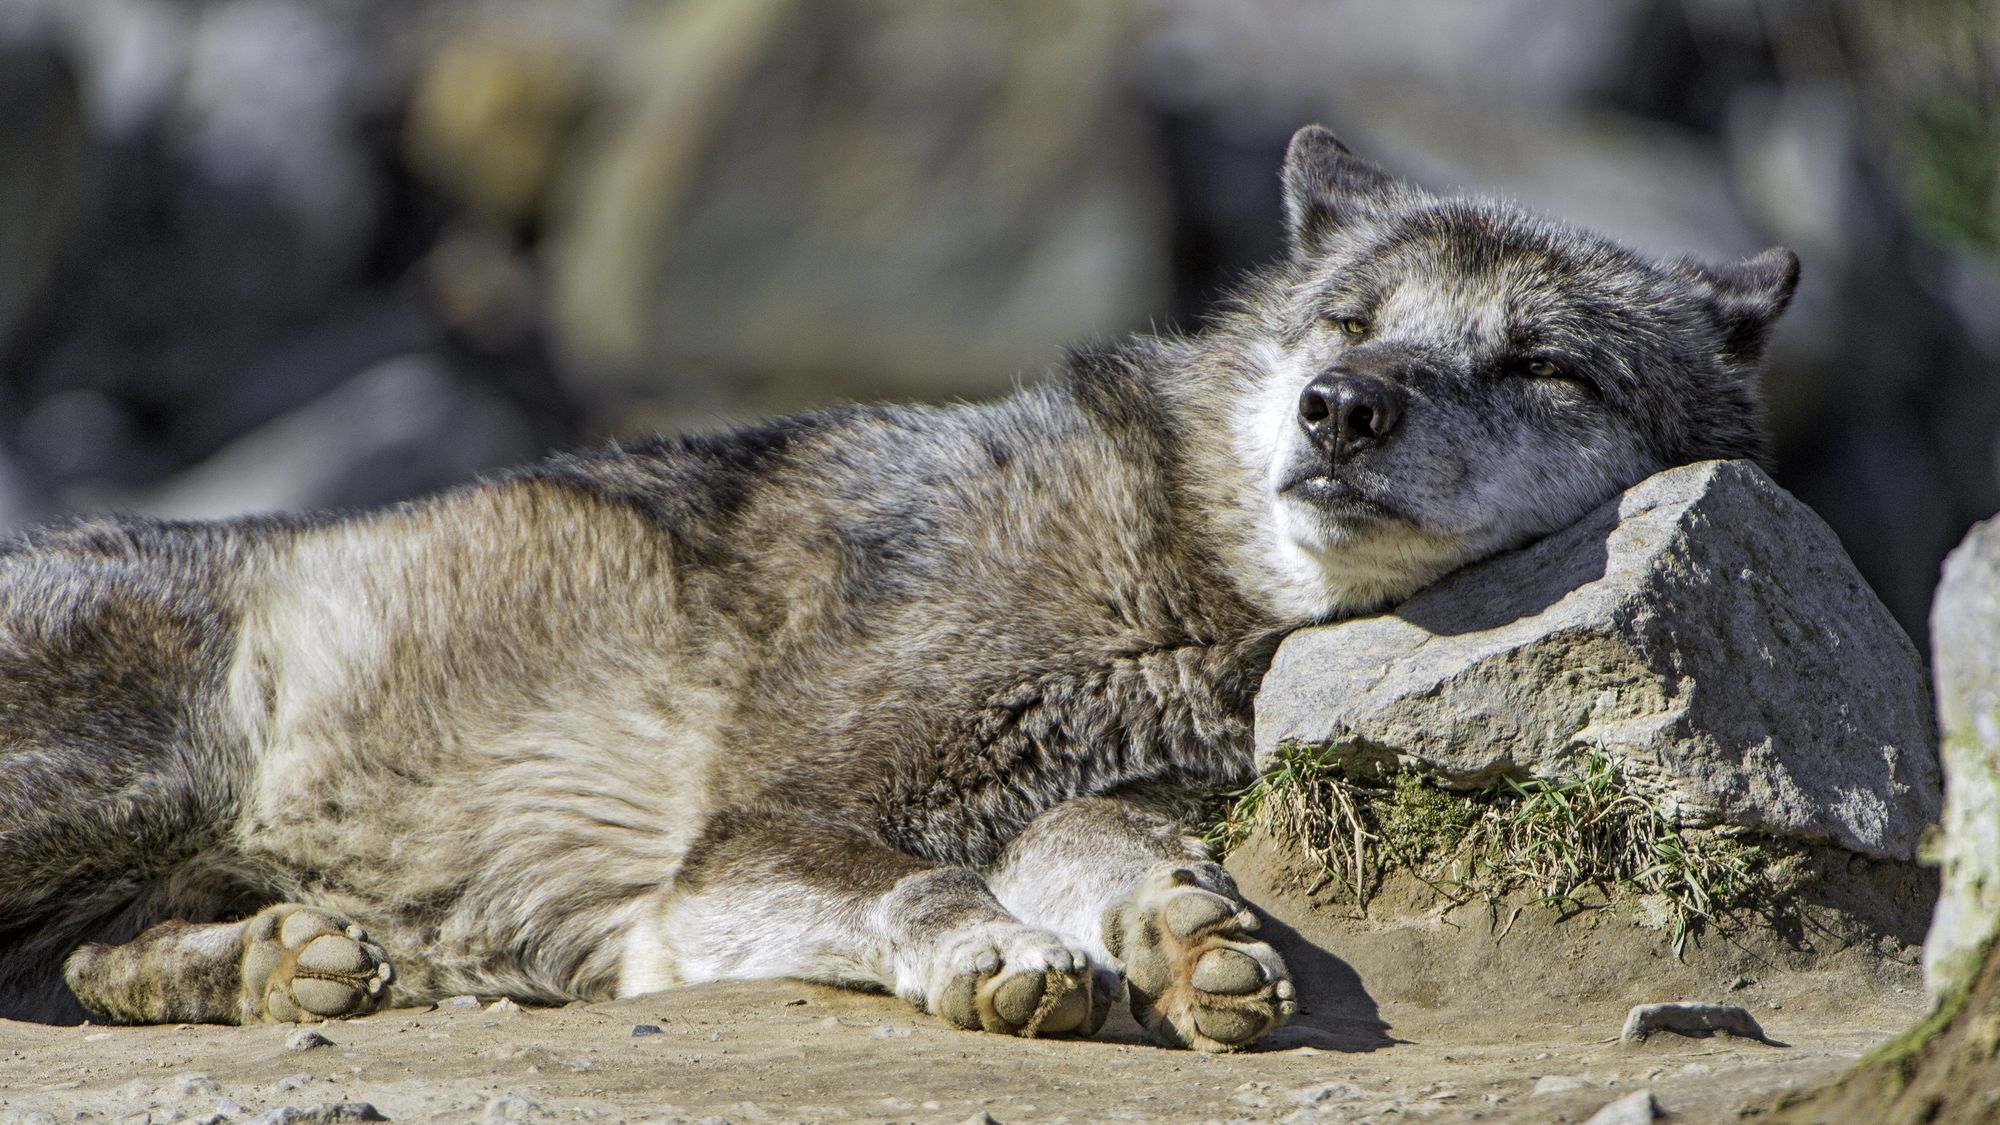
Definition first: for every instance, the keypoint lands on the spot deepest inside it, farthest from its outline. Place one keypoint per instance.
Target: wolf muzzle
(1345, 413)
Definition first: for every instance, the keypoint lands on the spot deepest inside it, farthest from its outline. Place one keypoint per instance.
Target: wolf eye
(1351, 325)
(1542, 369)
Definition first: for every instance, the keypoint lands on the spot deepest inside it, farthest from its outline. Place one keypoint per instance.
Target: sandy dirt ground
(1424, 1016)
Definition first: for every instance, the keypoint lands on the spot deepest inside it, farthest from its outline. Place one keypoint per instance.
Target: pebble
(796, 1001)
(294, 1081)
(1557, 1083)
(640, 1030)
(459, 1002)
(1256, 1095)
(191, 1086)
(504, 1007)
(509, 1107)
(1328, 1092)
(305, 1039)
(889, 1031)
(336, 1113)
(981, 1118)
(1632, 1109)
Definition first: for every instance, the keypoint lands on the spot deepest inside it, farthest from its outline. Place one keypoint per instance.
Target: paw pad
(1197, 977)
(301, 964)
(1024, 984)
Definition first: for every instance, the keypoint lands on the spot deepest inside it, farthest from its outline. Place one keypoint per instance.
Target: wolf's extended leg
(1134, 885)
(770, 896)
(286, 963)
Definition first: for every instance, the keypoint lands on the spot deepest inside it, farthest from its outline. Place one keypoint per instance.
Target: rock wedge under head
(1704, 631)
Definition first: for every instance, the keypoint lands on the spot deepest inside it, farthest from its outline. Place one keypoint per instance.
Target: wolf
(923, 700)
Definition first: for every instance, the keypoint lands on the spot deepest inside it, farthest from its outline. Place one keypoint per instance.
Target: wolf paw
(1019, 981)
(1197, 978)
(303, 964)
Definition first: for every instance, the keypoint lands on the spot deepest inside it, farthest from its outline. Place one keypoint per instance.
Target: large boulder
(1945, 1068)
(1704, 631)
(1965, 635)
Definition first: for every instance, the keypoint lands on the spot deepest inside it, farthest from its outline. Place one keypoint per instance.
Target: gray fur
(919, 699)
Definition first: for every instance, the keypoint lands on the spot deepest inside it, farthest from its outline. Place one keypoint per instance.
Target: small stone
(337, 1113)
(509, 1107)
(191, 1086)
(889, 1031)
(294, 1081)
(1633, 1109)
(1328, 1092)
(981, 1118)
(1692, 1019)
(1256, 1095)
(795, 1002)
(305, 1039)
(227, 1106)
(1741, 983)
(1557, 1083)
(459, 1002)
(641, 1030)
(504, 1007)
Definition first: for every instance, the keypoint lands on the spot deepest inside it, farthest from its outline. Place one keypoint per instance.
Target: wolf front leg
(1132, 885)
(287, 963)
(763, 897)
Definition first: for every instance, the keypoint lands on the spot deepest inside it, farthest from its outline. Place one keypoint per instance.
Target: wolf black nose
(1345, 414)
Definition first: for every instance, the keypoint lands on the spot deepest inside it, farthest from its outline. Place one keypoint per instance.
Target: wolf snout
(1345, 413)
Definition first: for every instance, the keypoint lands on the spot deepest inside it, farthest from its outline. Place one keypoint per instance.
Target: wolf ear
(1749, 295)
(1328, 187)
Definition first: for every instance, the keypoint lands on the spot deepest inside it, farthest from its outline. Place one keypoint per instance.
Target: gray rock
(1636, 1108)
(510, 1107)
(333, 1113)
(305, 1039)
(1965, 637)
(1327, 1092)
(1699, 1020)
(1558, 1084)
(1704, 631)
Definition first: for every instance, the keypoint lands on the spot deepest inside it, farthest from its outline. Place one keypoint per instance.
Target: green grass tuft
(1572, 840)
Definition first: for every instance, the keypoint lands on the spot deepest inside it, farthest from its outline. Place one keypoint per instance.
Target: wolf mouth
(1338, 498)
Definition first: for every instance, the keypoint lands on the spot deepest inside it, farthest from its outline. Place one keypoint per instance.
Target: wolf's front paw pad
(305, 964)
(1196, 975)
(1026, 983)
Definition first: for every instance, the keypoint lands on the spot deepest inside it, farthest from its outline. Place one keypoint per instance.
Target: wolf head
(1425, 380)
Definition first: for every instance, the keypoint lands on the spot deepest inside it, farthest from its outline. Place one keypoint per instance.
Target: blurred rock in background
(279, 253)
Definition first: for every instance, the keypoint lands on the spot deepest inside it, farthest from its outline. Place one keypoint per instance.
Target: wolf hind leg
(285, 964)
(1134, 887)
(763, 897)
